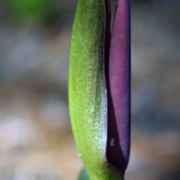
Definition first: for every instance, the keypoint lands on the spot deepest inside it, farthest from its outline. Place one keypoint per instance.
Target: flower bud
(99, 87)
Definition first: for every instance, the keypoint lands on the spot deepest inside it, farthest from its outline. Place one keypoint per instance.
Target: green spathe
(87, 89)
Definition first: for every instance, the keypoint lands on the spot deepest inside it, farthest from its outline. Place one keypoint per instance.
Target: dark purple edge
(117, 64)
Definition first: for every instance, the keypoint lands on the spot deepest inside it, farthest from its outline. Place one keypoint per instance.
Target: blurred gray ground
(36, 141)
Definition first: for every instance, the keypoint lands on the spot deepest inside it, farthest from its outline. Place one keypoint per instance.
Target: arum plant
(99, 87)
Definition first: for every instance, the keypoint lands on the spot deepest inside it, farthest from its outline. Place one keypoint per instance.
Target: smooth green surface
(87, 89)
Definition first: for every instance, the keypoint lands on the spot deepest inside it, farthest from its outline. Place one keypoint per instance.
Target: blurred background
(35, 134)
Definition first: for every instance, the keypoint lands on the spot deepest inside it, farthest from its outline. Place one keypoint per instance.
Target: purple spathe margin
(119, 85)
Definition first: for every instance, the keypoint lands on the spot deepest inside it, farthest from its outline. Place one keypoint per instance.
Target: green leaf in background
(29, 10)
